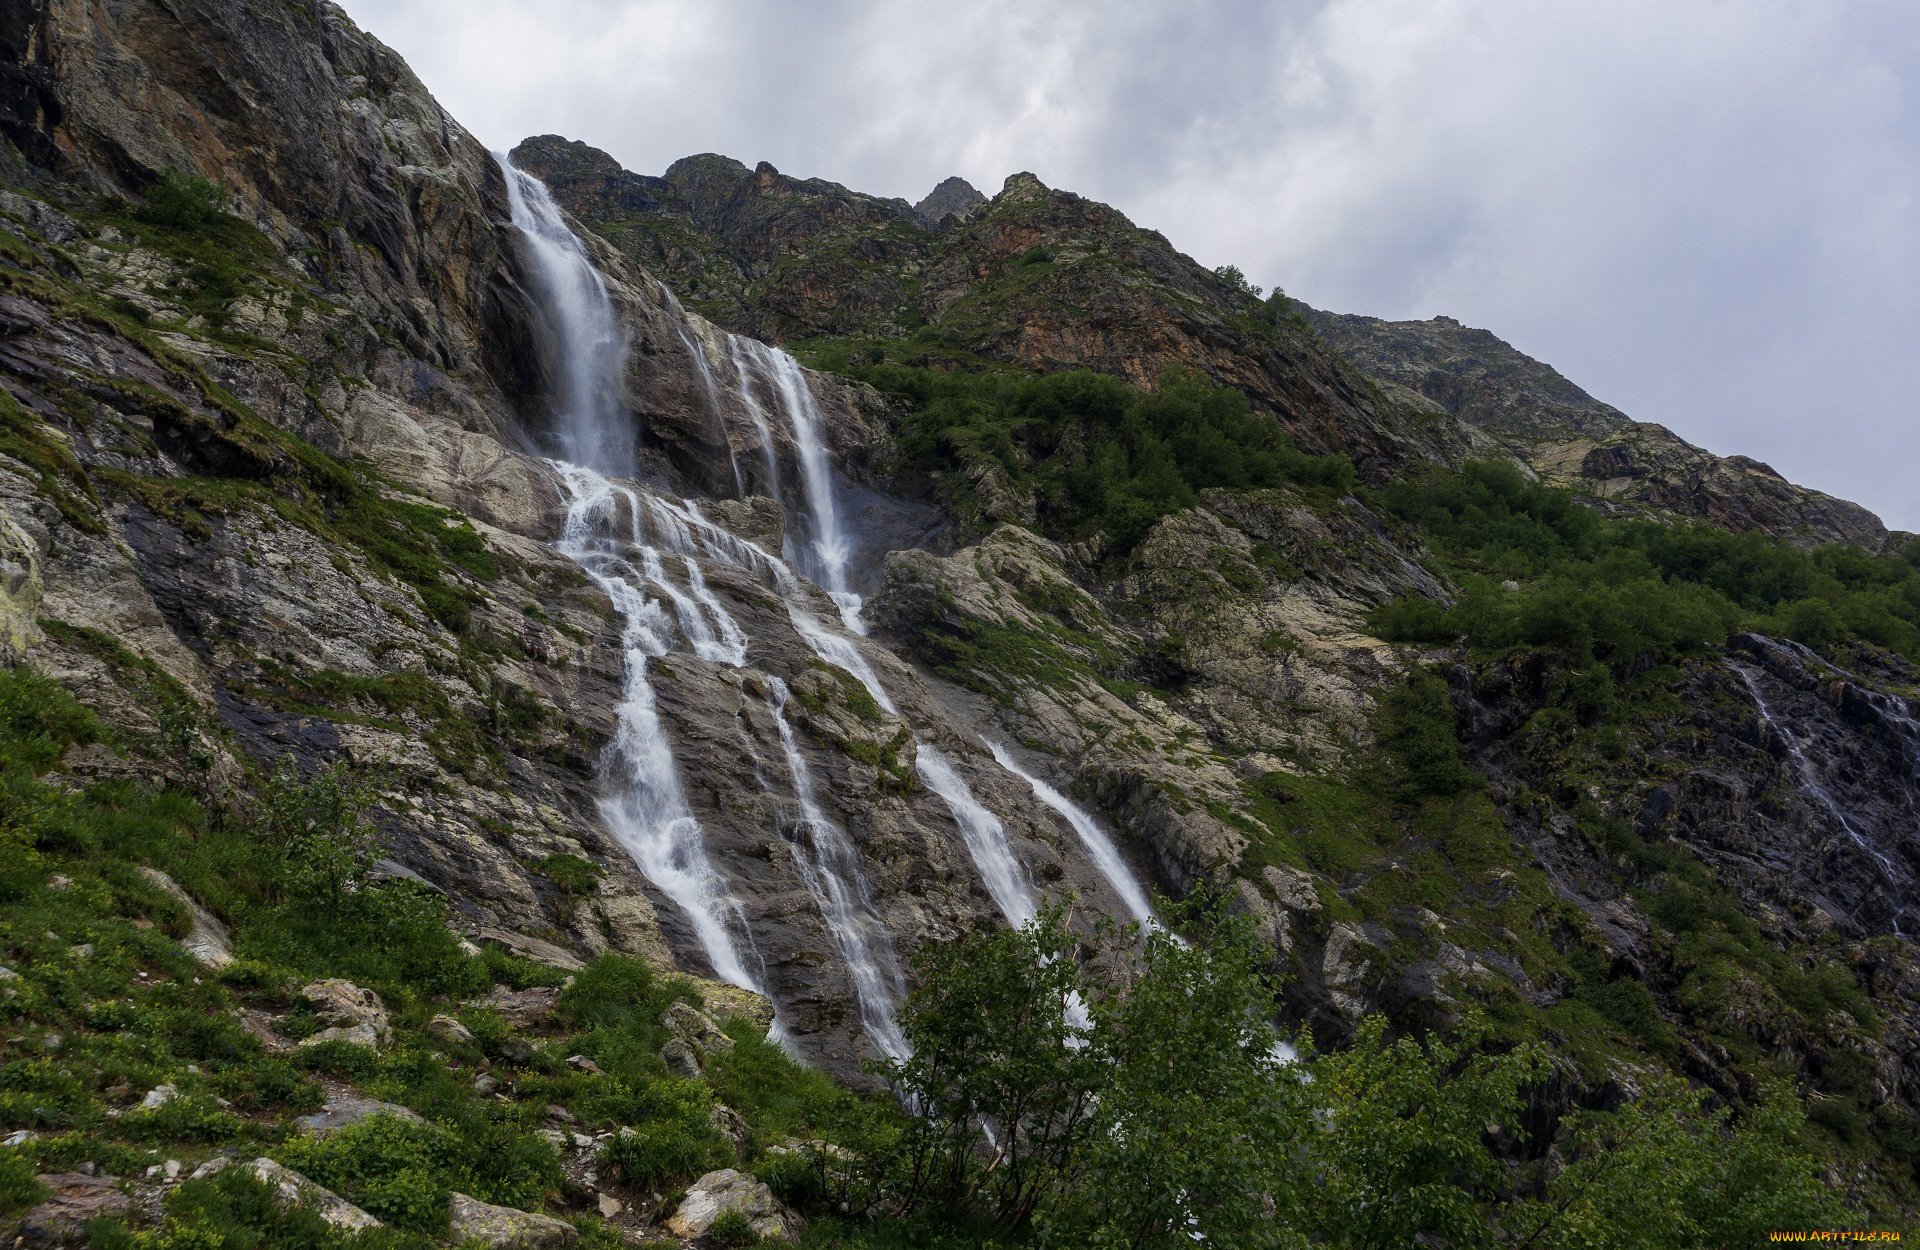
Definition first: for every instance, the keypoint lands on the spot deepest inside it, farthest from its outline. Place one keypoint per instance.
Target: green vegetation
(1617, 591)
(1175, 1120)
(1098, 456)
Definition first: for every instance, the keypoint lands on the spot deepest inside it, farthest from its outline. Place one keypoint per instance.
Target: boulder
(717, 1193)
(727, 1122)
(690, 1025)
(504, 1228)
(449, 1032)
(352, 1014)
(73, 1198)
(207, 940)
(681, 1060)
(290, 1188)
(346, 1108)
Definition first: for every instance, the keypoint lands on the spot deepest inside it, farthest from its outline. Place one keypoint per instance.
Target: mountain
(736, 594)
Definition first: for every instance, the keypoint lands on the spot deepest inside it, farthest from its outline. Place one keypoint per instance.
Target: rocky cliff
(278, 383)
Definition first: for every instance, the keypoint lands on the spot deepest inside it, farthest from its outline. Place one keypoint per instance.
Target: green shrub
(732, 1229)
(401, 1172)
(673, 1142)
(19, 1187)
(181, 201)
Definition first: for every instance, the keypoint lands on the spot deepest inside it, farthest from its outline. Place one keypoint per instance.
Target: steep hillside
(1574, 440)
(451, 589)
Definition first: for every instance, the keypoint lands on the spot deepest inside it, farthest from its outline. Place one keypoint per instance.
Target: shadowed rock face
(204, 480)
(954, 197)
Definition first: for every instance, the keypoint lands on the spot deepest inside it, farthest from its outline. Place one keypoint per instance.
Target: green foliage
(19, 1187)
(405, 1172)
(1620, 590)
(184, 202)
(1414, 724)
(235, 1211)
(1099, 456)
(1231, 275)
(675, 1140)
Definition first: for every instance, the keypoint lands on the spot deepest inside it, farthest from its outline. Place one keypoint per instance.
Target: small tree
(1231, 275)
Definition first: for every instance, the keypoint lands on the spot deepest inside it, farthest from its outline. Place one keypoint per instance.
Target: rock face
(73, 1198)
(1572, 439)
(729, 1192)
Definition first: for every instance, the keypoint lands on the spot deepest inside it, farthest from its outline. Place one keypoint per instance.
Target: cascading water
(1810, 785)
(1100, 847)
(645, 807)
(709, 389)
(985, 836)
(585, 348)
(830, 867)
(758, 415)
(825, 556)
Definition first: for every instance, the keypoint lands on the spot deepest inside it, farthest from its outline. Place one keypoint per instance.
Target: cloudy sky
(1706, 212)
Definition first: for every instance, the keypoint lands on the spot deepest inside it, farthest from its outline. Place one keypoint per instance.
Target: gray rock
(72, 1200)
(451, 1032)
(727, 1122)
(346, 1108)
(681, 1060)
(690, 1025)
(717, 1193)
(580, 1063)
(484, 1085)
(503, 1228)
(159, 1096)
(207, 941)
(355, 1016)
(290, 1189)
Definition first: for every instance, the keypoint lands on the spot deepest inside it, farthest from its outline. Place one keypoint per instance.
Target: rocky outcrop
(1574, 440)
(471, 1221)
(727, 1192)
(954, 198)
(289, 1189)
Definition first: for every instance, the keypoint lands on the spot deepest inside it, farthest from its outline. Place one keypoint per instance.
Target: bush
(673, 1142)
(19, 1187)
(186, 202)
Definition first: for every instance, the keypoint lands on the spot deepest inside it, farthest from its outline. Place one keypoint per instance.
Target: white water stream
(1100, 847)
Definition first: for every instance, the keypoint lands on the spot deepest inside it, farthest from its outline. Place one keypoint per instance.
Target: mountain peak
(954, 197)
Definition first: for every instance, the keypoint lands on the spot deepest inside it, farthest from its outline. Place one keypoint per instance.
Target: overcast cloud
(1705, 213)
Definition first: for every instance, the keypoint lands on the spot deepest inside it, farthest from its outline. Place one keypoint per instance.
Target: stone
(681, 1060)
(353, 1035)
(72, 1200)
(353, 1014)
(207, 941)
(504, 1228)
(580, 1063)
(485, 1085)
(347, 1107)
(159, 1096)
(449, 1031)
(522, 1009)
(687, 1023)
(729, 1123)
(291, 1189)
(717, 1193)
(610, 1206)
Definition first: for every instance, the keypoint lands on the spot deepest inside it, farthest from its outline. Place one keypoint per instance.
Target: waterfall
(824, 556)
(645, 807)
(830, 867)
(585, 349)
(985, 836)
(708, 387)
(758, 415)
(1100, 847)
(1810, 785)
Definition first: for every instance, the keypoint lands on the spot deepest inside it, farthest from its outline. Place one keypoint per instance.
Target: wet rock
(727, 1190)
(290, 1189)
(504, 1228)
